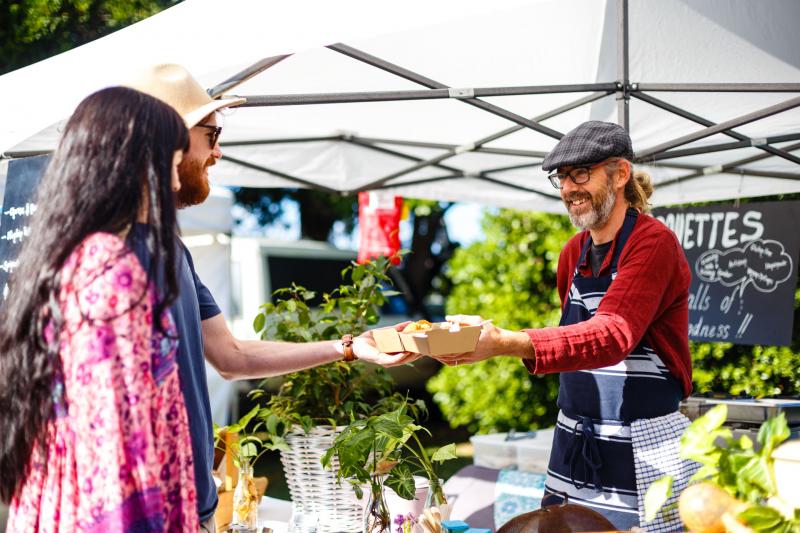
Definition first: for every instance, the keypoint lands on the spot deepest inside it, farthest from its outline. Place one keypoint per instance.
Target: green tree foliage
(32, 30)
(511, 278)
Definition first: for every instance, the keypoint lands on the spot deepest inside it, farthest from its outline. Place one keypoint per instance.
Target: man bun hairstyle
(638, 190)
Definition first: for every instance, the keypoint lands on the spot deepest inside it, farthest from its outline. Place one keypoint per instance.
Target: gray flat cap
(591, 142)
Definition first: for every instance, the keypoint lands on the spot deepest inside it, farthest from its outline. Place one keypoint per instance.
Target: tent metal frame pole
(371, 143)
(747, 143)
(24, 153)
(269, 100)
(732, 167)
(764, 174)
(705, 122)
(735, 171)
(496, 181)
(444, 146)
(287, 140)
(513, 167)
(301, 181)
(722, 127)
(626, 88)
(431, 84)
(358, 142)
(623, 99)
(760, 157)
(550, 114)
(467, 175)
(451, 152)
(717, 87)
(240, 77)
(420, 181)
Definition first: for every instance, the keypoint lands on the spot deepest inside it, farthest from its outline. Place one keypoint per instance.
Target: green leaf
(772, 432)
(388, 427)
(239, 426)
(756, 472)
(445, 453)
(656, 496)
(358, 273)
(401, 480)
(391, 293)
(279, 443)
(713, 419)
(704, 472)
(326, 458)
(761, 518)
(272, 423)
(259, 322)
(248, 450)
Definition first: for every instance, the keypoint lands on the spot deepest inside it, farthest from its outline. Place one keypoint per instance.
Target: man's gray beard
(598, 215)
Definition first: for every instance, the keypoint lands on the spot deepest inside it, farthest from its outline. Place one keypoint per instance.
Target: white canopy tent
(460, 100)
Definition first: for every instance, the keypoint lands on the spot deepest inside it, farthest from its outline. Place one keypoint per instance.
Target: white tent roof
(460, 44)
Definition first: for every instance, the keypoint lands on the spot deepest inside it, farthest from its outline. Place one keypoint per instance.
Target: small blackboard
(21, 181)
(744, 270)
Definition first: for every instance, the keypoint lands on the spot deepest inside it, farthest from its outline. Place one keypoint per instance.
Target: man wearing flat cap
(621, 347)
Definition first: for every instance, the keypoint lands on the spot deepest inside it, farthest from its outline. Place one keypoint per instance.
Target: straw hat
(174, 85)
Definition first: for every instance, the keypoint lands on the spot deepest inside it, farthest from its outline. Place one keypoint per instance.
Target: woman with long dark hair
(93, 431)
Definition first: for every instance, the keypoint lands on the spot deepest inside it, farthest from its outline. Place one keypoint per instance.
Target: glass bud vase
(245, 500)
(436, 509)
(376, 513)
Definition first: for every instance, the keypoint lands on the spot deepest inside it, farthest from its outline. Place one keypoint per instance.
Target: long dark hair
(115, 155)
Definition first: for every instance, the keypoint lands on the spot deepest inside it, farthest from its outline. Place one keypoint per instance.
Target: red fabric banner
(379, 225)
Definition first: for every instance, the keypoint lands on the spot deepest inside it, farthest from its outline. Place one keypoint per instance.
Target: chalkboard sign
(21, 181)
(744, 270)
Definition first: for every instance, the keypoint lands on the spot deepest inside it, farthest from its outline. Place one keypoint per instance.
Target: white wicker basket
(318, 502)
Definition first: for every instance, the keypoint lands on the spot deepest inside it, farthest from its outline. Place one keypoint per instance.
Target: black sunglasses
(214, 135)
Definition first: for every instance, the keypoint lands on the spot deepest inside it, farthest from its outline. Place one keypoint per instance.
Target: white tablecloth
(274, 514)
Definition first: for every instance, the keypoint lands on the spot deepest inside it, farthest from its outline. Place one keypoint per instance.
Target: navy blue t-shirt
(193, 305)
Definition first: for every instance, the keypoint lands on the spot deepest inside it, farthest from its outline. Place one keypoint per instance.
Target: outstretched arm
(493, 341)
(241, 359)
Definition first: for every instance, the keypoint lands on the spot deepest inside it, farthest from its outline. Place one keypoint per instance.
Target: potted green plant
(385, 450)
(734, 489)
(302, 418)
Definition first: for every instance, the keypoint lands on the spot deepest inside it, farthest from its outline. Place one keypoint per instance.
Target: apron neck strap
(622, 237)
(627, 228)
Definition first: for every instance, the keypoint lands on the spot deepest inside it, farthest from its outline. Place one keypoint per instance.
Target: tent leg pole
(623, 99)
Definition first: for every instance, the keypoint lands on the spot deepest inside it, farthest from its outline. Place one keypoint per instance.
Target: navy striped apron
(592, 459)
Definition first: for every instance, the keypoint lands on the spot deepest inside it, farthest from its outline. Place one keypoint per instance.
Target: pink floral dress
(119, 456)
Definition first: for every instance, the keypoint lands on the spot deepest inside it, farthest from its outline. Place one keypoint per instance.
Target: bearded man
(202, 330)
(621, 347)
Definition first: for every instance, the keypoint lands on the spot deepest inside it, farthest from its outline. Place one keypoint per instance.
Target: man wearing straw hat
(202, 330)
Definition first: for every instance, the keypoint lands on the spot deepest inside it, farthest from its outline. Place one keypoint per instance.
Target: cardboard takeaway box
(438, 340)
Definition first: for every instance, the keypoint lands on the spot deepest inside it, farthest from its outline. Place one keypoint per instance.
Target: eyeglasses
(213, 137)
(579, 175)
